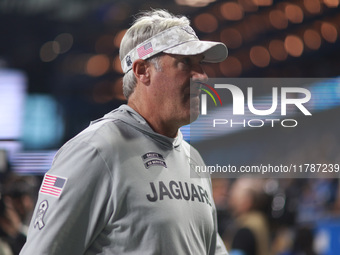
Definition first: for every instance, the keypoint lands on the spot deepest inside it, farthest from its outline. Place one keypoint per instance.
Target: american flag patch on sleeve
(53, 185)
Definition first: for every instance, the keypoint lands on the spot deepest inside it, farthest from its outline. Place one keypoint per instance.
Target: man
(16, 206)
(123, 185)
(250, 228)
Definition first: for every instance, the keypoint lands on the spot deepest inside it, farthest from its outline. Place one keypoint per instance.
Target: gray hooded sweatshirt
(120, 188)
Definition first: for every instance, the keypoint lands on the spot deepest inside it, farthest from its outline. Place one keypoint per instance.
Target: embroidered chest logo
(153, 159)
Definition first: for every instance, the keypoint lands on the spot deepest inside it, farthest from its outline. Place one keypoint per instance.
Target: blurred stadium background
(59, 69)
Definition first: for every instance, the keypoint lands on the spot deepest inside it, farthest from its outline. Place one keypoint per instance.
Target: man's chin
(194, 113)
(194, 109)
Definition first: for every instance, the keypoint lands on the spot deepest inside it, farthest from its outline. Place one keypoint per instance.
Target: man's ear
(141, 70)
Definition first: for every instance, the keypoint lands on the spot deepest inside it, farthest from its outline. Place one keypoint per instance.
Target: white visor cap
(181, 40)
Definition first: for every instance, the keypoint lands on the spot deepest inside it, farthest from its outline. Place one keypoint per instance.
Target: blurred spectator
(303, 242)
(17, 203)
(317, 199)
(4, 247)
(220, 195)
(22, 191)
(250, 234)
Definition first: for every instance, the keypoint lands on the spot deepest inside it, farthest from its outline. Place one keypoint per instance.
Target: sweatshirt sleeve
(73, 205)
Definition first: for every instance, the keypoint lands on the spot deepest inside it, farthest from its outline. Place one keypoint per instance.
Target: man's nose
(199, 74)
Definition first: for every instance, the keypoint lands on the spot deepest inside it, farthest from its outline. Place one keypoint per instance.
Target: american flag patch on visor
(145, 50)
(53, 185)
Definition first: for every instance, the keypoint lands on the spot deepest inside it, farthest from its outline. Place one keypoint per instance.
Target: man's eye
(186, 61)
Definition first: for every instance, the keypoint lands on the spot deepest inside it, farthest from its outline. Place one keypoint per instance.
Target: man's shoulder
(104, 136)
(101, 141)
(100, 132)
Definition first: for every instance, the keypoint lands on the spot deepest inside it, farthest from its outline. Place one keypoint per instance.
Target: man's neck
(155, 122)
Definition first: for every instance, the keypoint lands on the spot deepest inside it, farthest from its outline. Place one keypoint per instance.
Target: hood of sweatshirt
(130, 117)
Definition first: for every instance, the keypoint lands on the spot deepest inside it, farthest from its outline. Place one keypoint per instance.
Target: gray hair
(145, 26)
